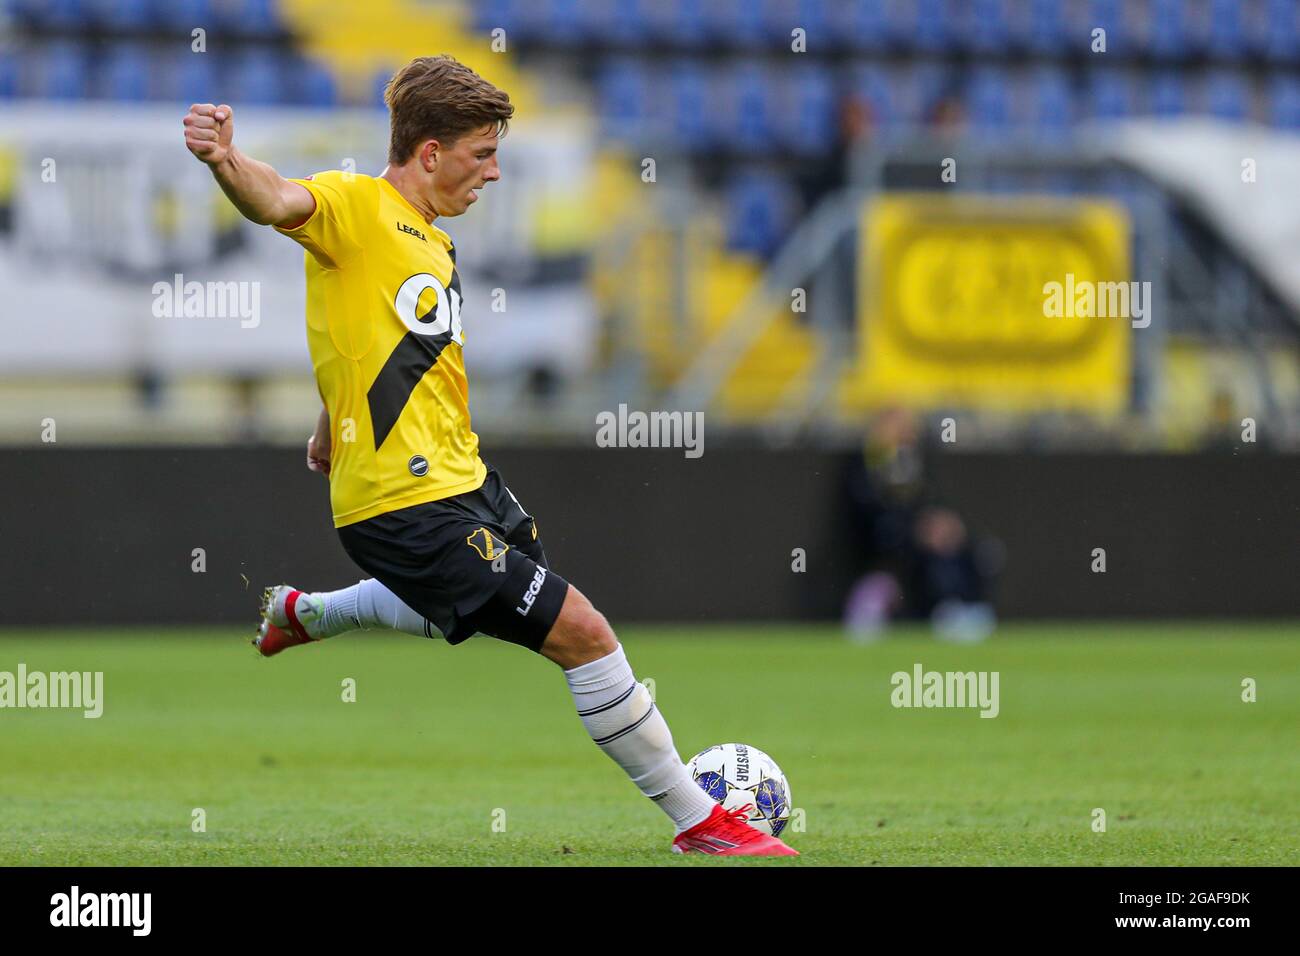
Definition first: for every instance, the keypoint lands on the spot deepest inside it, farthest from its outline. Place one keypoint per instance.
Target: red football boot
(281, 626)
(727, 833)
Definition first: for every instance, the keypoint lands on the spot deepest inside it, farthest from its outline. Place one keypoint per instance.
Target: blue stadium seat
(988, 102)
(196, 79)
(1168, 94)
(624, 93)
(861, 26)
(61, 72)
(126, 73)
(253, 18)
(378, 83)
(313, 84)
(1280, 30)
(627, 22)
(1044, 30)
(54, 14)
(808, 119)
(185, 14)
(691, 106)
(8, 76)
(1109, 15)
(731, 23)
(256, 78)
(1227, 96)
(1110, 95)
(760, 208)
(981, 26)
(780, 17)
(1284, 102)
(561, 22)
(1226, 32)
(921, 25)
(488, 15)
(123, 15)
(1051, 106)
(1168, 38)
(883, 96)
(751, 117)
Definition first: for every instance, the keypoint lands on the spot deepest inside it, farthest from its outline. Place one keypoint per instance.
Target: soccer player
(447, 544)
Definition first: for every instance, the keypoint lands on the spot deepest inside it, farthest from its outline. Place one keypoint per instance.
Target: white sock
(365, 605)
(625, 723)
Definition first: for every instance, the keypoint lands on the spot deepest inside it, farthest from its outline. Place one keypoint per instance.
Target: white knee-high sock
(625, 723)
(365, 605)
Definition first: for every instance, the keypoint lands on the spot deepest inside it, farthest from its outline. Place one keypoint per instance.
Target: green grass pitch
(473, 754)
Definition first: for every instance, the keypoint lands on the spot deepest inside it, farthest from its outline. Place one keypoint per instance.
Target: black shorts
(470, 564)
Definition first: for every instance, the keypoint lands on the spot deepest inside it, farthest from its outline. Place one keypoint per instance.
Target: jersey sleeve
(330, 233)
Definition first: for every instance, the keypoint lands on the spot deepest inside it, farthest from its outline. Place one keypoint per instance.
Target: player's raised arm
(260, 193)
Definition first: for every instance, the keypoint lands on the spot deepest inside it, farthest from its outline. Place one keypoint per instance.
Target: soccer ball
(738, 775)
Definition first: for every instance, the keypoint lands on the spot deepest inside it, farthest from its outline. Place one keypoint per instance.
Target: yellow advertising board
(1008, 304)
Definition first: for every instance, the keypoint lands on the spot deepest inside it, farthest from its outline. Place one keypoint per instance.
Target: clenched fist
(208, 132)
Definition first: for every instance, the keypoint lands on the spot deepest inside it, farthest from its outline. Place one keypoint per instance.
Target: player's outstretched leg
(291, 617)
(623, 720)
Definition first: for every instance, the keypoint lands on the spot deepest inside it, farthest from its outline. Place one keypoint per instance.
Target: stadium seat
(1168, 94)
(1225, 32)
(378, 83)
(624, 94)
(861, 26)
(126, 73)
(760, 207)
(1044, 30)
(1109, 15)
(60, 72)
(1284, 102)
(751, 107)
(1051, 106)
(921, 26)
(1226, 96)
(1167, 36)
(124, 15)
(690, 106)
(54, 14)
(313, 84)
(808, 116)
(988, 103)
(874, 86)
(626, 23)
(487, 15)
(184, 14)
(730, 23)
(981, 26)
(251, 18)
(1110, 95)
(256, 78)
(1280, 30)
(561, 22)
(197, 79)
(8, 76)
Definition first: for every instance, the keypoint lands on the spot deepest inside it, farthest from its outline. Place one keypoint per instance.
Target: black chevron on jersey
(389, 392)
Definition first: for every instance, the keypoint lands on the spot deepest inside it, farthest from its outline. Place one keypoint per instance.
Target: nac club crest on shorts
(488, 547)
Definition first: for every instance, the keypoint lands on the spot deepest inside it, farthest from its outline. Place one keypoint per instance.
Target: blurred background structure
(796, 216)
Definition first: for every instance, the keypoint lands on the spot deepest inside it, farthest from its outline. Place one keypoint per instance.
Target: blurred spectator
(919, 560)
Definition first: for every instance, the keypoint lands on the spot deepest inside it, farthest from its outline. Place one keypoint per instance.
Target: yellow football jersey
(384, 331)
